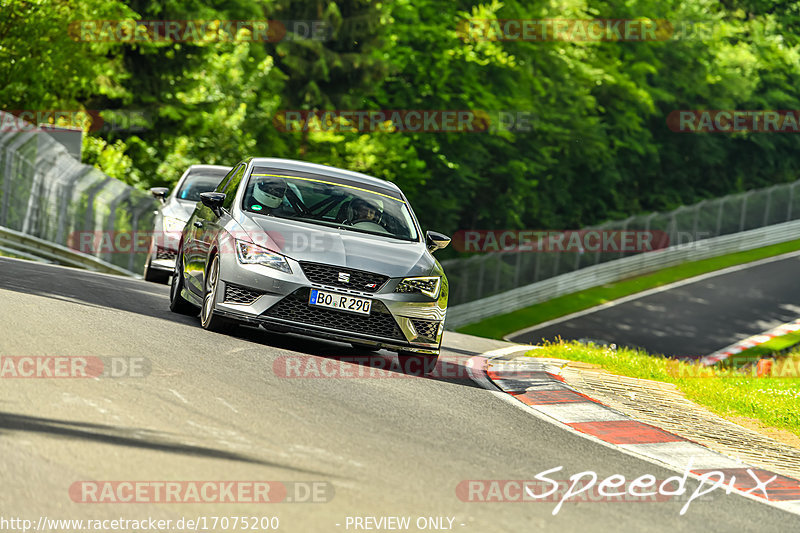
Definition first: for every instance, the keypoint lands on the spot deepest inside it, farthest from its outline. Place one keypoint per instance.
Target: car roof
(194, 168)
(314, 168)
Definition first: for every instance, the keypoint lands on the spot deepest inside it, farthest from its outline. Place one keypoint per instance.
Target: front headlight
(173, 225)
(429, 286)
(250, 254)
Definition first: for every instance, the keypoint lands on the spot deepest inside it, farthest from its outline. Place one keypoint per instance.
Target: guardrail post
(769, 204)
(672, 228)
(497, 275)
(63, 208)
(32, 210)
(558, 261)
(719, 216)
(481, 274)
(137, 213)
(697, 210)
(599, 248)
(91, 193)
(744, 211)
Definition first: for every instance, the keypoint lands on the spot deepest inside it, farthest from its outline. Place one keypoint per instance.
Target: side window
(232, 186)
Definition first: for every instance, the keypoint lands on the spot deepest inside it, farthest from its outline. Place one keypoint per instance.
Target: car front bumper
(163, 258)
(259, 295)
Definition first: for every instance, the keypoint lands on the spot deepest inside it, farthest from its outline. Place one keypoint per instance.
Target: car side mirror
(213, 200)
(436, 241)
(160, 193)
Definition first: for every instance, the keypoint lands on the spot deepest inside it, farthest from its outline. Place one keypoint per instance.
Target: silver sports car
(311, 249)
(175, 210)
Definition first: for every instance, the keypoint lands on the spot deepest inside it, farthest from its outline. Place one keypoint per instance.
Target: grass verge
(498, 326)
(772, 346)
(774, 400)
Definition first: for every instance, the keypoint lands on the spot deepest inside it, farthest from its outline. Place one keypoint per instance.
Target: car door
(209, 224)
(198, 229)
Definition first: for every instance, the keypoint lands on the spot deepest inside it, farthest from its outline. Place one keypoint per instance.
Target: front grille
(165, 253)
(295, 307)
(240, 295)
(426, 328)
(330, 275)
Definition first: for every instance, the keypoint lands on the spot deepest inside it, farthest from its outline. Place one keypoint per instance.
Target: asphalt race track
(693, 319)
(210, 407)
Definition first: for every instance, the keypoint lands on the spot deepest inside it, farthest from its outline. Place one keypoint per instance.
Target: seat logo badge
(344, 277)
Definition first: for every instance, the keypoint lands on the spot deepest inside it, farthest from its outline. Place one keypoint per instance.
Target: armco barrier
(619, 269)
(48, 195)
(34, 246)
(487, 274)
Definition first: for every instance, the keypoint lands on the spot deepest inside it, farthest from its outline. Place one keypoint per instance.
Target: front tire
(208, 318)
(417, 365)
(177, 303)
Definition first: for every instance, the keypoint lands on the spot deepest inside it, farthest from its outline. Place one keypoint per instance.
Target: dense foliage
(599, 147)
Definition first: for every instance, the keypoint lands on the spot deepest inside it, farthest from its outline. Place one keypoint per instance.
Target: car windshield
(329, 202)
(195, 184)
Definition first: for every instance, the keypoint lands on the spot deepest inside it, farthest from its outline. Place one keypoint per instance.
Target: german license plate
(341, 302)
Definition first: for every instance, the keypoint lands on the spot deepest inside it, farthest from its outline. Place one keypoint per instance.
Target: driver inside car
(365, 211)
(268, 194)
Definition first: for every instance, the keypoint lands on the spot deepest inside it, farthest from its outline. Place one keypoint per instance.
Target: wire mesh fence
(487, 274)
(47, 193)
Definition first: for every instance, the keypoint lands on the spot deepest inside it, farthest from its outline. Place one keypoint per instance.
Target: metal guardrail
(617, 270)
(46, 193)
(486, 274)
(29, 245)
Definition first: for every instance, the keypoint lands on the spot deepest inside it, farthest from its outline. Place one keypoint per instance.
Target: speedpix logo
(589, 487)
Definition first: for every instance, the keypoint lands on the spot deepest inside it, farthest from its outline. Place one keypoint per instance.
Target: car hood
(309, 242)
